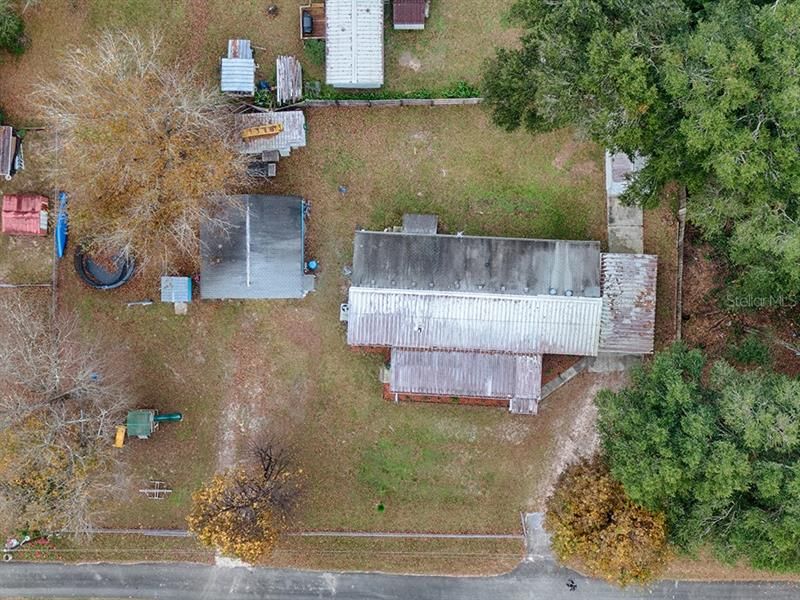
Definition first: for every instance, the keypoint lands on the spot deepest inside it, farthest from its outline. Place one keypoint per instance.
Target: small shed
(292, 136)
(238, 69)
(24, 214)
(354, 43)
(10, 152)
(410, 14)
(176, 289)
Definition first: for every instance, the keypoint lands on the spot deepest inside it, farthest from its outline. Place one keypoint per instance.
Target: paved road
(193, 582)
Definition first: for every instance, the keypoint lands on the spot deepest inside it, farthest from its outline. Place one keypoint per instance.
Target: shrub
(315, 51)
(12, 29)
(750, 351)
(592, 519)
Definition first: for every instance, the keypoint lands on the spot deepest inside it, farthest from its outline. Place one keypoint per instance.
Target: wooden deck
(317, 12)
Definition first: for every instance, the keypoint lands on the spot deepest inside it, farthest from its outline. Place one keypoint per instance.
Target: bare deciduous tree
(144, 150)
(59, 405)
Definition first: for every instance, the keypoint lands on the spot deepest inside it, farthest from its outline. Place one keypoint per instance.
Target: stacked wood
(289, 81)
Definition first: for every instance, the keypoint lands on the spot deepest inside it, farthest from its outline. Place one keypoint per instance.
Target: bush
(592, 519)
(12, 29)
(750, 351)
(315, 52)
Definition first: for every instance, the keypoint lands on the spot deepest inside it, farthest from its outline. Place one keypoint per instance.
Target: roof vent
(553, 291)
(568, 292)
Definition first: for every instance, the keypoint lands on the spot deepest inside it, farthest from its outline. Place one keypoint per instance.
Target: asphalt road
(193, 582)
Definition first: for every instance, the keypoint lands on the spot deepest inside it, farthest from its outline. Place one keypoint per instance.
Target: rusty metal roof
(409, 13)
(470, 321)
(629, 303)
(467, 374)
(24, 214)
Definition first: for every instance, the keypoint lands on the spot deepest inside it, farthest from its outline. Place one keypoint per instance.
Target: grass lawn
(237, 370)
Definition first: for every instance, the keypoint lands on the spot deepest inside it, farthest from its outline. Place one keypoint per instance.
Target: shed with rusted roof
(410, 14)
(238, 69)
(24, 214)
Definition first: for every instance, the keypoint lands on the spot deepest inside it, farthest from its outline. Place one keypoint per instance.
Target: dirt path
(577, 432)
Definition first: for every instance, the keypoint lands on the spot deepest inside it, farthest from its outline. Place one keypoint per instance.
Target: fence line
(388, 103)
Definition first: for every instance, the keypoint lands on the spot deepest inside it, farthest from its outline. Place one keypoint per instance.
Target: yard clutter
(10, 152)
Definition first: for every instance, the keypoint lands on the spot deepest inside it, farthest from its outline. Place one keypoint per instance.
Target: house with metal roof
(259, 254)
(354, 43)
(410, 14)
(471, 317)
(238, 69)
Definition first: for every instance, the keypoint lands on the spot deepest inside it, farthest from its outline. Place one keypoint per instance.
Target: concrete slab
(537, 540)
(609, 362)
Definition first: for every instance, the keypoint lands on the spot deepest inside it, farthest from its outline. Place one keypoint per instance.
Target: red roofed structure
(24, 214)
(410, 14)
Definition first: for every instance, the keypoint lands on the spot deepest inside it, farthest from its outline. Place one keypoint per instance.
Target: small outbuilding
(176, 289)
(354, 43)
(24, 214)
(410, 14)
(291, 136)
(238, 69)
(261, 254)
(10, 152)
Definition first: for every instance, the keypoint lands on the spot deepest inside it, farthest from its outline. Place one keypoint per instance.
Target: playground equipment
(269, 130)
(143, 422)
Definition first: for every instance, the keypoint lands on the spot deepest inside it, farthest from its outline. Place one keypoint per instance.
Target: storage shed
(10, 152)
(176, 289)
(24, 214)
(410, 14)
(261, 255)
(291, 137)
(354, 43)
(238, 69)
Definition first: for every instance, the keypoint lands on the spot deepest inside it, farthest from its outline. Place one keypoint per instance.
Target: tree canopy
(592, 519)
(706, 90)
(59, 406)
(142, 148)
(716, 450)
(242, 511)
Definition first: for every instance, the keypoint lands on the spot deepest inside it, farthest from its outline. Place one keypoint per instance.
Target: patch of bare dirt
(568, 159)
(409, 61)
(576, 433)
(715, 320)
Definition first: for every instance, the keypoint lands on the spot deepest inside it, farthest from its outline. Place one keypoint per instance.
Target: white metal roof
(354, 43)
(293, 135)
(238, 75)
(471, 321)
